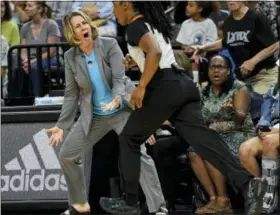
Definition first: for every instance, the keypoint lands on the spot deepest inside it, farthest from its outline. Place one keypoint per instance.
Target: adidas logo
(26, 173)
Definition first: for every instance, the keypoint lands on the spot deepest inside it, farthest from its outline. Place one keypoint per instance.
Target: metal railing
(15, 72)
(51, 72)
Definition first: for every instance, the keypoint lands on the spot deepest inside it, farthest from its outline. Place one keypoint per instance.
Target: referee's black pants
(172, 95)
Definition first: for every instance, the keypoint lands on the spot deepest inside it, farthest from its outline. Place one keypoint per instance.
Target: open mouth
(86, 35)
(216, 77)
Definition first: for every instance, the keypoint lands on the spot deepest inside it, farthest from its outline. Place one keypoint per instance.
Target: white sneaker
(162, 211)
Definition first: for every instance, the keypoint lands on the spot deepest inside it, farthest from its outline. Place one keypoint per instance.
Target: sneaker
(118, 206)
(254, 196)
(162, 211)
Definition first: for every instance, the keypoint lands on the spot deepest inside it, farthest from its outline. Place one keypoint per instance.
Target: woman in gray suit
(95, 77)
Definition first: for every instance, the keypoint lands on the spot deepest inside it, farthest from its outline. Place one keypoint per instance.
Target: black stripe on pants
(172, 95)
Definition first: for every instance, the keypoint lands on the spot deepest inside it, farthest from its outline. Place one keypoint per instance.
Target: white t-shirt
(134, 33)
(197, 33)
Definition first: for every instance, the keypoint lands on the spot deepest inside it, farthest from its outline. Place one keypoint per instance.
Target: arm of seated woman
(238, 106)
(241, 104)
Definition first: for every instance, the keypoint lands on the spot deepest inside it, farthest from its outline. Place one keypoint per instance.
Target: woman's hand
(25, 64)
(247, 67)
(198, 50)
(111, 106)
(189, 50)
(137, 97)
(229, 105)
(216, 126)
(129, 62)
(261, 134)
(56, 135)
(151, 140)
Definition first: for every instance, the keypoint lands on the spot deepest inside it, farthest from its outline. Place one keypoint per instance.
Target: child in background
(199, 29)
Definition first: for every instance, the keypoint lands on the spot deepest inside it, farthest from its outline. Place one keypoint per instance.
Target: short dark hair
(207, 8)
(8, 11)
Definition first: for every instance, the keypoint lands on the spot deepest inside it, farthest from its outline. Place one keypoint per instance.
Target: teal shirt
(101, 92)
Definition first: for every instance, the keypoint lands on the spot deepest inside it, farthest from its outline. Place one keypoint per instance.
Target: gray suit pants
(76, 155)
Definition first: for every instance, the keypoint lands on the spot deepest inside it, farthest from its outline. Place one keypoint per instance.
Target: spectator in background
(225, 108)
(60, 8)
(9, 29)
(218, 15)
(251, 46)
(19, 14)
(102, 15)
(266, 145)
(4, 52)
(40, 30)
(198, 29)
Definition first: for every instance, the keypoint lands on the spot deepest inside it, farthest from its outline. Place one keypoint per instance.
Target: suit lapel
(80, 60)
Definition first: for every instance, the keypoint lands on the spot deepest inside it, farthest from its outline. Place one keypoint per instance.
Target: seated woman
(266, 144)
(40, 30)
(226, 110)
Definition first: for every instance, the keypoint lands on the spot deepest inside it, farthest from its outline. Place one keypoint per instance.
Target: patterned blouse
(215, 115)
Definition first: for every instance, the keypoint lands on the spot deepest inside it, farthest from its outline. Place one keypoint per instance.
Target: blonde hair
(68, 28)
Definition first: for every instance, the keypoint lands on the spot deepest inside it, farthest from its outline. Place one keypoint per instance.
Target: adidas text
(35, 180)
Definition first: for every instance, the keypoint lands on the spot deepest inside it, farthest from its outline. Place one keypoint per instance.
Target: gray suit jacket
(110, 60)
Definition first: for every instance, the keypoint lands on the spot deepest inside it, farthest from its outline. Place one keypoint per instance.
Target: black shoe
(254, 196)
(73, 211)
(118, 206)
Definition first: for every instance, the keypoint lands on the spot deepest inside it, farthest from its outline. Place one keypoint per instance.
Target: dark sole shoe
(254, 196)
